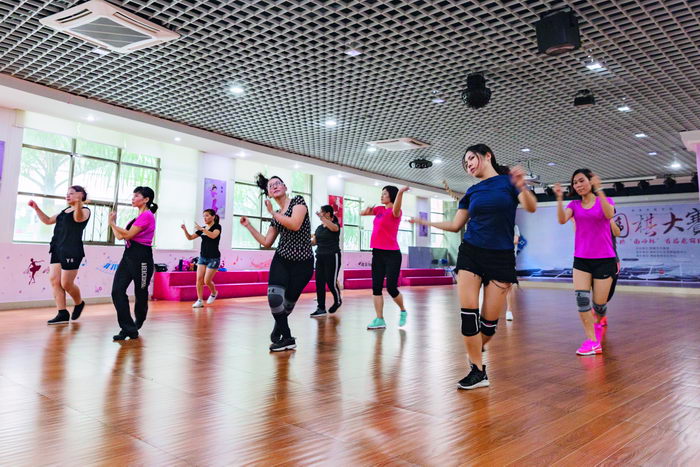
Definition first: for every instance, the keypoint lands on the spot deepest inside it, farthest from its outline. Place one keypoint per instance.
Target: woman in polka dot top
(293, 263)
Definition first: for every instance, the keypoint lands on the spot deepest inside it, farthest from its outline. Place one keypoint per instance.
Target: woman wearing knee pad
(66, 250)
(486, 255)
(136, 265)
(209, 255)
(386, 254)
(594, 256)
(293, 263)
(328, 261)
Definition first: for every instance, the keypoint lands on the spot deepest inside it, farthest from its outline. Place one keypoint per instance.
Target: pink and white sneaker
(590, 347)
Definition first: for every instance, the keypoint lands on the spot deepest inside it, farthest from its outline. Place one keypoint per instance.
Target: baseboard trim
(14, 306)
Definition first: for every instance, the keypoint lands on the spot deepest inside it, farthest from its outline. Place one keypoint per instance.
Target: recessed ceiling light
(438, 161)
(177, 139)
(376, 183)
(339, 175)
(371, 149)
(236, 90)
(438, 100)
(675, 166)
(551, 164)
(525, 149)
(595, 65)
(641, 135)
(330, 123)
(90, 118)
(296, 166)
(653, 153)
(99, 51)
(624, 108)
(353, 52)
(241, 154)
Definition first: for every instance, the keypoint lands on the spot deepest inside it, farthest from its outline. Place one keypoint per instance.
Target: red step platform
(362, 278)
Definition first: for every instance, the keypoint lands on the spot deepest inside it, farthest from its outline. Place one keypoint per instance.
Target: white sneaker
(509, 315)
(211, 299)
(197, 304)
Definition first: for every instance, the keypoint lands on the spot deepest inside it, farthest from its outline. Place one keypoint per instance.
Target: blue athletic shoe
(377, 323)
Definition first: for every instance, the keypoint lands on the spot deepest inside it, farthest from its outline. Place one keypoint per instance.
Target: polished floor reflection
(200, 387)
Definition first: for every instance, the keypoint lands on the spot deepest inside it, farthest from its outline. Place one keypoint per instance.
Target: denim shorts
(211, 263)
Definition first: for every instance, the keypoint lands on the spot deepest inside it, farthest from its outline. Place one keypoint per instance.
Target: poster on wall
(423, 229)
(658, 242)
(337, 203)
(215, 196)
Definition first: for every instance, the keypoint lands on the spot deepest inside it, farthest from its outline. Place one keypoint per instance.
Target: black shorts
(67, 263)
(490, 265)
(599, 268)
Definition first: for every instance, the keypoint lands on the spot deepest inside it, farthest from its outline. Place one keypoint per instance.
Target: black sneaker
(318, 312)
(63, 317)
(475, 379)
(123, 335)
(77, 311)
(284, 344)
(335, 307)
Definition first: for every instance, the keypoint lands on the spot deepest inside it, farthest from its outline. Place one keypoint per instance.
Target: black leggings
(284, 286)
(136, 266)
(386, 263)
(327, 269)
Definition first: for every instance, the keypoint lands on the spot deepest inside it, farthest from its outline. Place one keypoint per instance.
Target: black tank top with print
(67, 237)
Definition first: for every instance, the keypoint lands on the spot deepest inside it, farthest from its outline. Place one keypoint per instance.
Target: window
(437, 214)
(51, 163)
(358, 229)
(249, 202)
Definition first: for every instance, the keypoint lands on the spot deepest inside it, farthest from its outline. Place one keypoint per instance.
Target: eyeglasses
(274, 185)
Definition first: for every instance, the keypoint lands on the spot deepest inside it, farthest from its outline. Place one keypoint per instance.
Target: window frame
(434, 231)
(73, 154)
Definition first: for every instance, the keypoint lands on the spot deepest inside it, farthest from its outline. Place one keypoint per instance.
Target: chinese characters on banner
(337, 203)
(664, 240)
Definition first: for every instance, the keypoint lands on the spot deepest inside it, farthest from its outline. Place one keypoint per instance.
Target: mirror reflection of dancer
(386, 254)
(486, 254)
(594, 257)
(67, 252)
(33, 268)
(209, 255)
(328, 260)
(293, 263)
(137, 263)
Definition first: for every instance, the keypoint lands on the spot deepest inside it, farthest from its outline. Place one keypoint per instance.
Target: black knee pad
(600, 310)
(275, 298)
(583, 300)
(393, 291)
(488, 327)
(470, 321)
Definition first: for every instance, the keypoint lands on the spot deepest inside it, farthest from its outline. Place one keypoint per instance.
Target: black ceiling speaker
(619, 188)
(557, 32)
(476, 95)
(420, 164)
(584, 98)
(643, 185)
(669, 182)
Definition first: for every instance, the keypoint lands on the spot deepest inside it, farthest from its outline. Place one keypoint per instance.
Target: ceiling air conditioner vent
(109, 27)
(399, 144)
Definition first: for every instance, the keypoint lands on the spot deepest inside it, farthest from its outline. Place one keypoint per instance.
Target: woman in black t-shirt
(66, 250)
(209, 255)
(293, 263)
(327, 242)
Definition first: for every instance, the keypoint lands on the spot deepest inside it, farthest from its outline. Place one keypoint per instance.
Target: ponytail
(482, 150)
(329, 209)
(261, 181)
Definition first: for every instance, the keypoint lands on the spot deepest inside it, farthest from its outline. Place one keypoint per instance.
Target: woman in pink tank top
(386, 254)
(594, 256)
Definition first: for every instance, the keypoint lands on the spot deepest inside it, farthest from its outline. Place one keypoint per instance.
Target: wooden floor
(200, 387)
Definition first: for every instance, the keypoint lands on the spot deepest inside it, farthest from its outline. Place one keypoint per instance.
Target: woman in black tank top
(66, 250)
